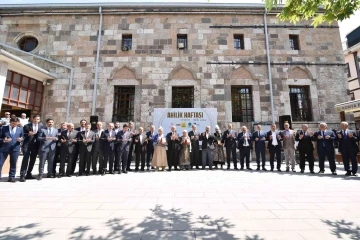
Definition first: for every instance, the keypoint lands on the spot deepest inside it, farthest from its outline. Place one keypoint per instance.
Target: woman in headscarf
(159, 158)
(219, 157)
(185, 149)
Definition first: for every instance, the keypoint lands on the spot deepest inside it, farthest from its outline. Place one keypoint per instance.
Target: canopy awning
(351, 106)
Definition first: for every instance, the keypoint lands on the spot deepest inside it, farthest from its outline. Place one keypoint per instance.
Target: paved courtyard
(216, 204)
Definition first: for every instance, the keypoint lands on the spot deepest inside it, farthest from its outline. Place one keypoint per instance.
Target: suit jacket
(150, 145)
(99, 139)
(89, 145)
(173, 144)
(28, 140)
(47, 145)
(270, 145)
(124, 145)
(229, 141)
(194, 143)
(288, 143)
(348, 143)
(109, 145)
(206, 141)
(140, 148)
(260, 144)
(13, 145)
(304, 143)
(69, 145)
(328, 144)
(241, 140)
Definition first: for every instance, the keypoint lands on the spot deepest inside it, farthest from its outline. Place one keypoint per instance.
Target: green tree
(319, 11)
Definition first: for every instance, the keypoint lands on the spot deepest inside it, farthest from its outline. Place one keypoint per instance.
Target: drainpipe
(97, 63)
(53, 62)
(269, 68)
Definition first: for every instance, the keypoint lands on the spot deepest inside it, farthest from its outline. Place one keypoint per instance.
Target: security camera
(46, 83)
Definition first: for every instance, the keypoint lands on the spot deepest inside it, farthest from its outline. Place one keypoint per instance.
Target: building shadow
(255, 237)
(343, 229)
(14, 233)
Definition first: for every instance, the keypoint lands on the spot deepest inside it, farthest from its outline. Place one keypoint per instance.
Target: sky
(345, 26)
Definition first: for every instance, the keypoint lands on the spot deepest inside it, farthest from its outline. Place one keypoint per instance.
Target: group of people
(111, 150)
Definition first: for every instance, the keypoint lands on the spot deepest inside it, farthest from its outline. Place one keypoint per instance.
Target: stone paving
(216, 204)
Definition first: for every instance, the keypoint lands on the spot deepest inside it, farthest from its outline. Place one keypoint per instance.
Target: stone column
(3, 74)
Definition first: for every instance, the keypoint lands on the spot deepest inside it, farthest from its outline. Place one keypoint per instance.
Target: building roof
(19, 65)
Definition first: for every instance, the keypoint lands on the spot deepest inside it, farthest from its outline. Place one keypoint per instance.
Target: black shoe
(216, 167)
(264, 169)
(287, 169)
(293, 170)
(221, 166)
(272, 169)
(242, 168)
(249, 168)
(129, 170)
(312, 172)
(102, 173)
(348, 174)
(79, 175)
(119, 172)
(94, 172)
(12, 180)
(125, 171)
(210, 169)
(258, 169)
(22, 179)
(169, 169)
(87, 174)
(147, 169)
(68, 175)
(354, 174)
(49, 176)
(321, 171)
(279, 170)
(61, 175)
(236, 168)
(29, 176)
(40, 177)
(302, 171)
(228, 167)
(334, 173)
(142, 170)
(197, 168)
(111, 172)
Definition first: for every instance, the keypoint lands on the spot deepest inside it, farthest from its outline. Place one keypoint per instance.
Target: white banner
(184, 118)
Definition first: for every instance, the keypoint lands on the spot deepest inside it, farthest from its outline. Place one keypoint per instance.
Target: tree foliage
(318, 11)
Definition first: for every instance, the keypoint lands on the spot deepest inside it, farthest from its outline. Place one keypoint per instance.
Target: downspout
(53, 62)
(269, 68)
(97, 63)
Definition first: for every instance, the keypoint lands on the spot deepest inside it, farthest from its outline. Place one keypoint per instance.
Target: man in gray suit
(288, 137)
(124, 138)
(47, 138)
(86, 141)
(68, 144)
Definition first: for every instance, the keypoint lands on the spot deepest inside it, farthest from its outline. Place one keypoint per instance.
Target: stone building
(157, 55)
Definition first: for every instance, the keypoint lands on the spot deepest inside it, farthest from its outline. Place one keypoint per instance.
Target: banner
(184, 118)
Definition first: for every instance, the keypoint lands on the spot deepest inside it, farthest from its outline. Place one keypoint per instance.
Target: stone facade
(154, 64)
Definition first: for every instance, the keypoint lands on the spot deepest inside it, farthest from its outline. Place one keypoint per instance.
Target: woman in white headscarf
(159, 159)
(185, 149)
(218, 153)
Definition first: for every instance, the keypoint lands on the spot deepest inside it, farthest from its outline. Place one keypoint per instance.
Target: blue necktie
(12, 132)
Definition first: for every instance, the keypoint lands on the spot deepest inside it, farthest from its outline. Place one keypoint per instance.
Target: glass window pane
(16, 79)
(23, 93)
(7, 90)
(25, 82)
(31, 97)
(9, 76)
(33, 84)
(38, 100)
(40, 87)
(14, 92)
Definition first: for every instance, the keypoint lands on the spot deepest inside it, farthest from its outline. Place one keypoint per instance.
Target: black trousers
(149, 155)
(173, 158)
(131, 149)
(65, 154)
(260, 152)
(275, 151)
(330, 156)
(117, 158)
(231, 151)
(245, 153)
(109, 156)
(30, 151)
(346, 156)
(74, 159)
(195, 157)
(139, 158)
(97, 158)
(56, 159)
(85, 159)
(309, 153)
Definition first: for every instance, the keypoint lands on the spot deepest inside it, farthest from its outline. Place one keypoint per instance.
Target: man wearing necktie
(68, 139)
(10, 138)
(109, 149)
(140, 149)
(86, 141)
(172, 138)
(325, 148)
(123, 137)
(98, 153)
(76, 152)
(348, 148)
(259, 137)
(274, 146)
(306, 148)
(245, 146)
(117, 147)
(207, 147)
(288, 137)
(131, 147)
(195, 147)
(47, 137)
(229, 139)
(150, 146)
(30, 147)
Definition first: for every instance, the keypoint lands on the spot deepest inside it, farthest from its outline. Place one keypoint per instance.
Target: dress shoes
(288, 169)
(22, 179)
(242, 168)
(279, 170)
(61, 175)
(272, 169)
(302, 171)
(125, 171)
(249, 168)
(29, 176)
(111, 172)
(312, 172)
(136, 169)
(68, 175)
(258, 169)
(321, 171)
(236, 168)
(147, 169)
(197, 168)
(129, 170)
(79, 175)
(49, 176)
(12, 180)
(348, 174)
(142, 170)
(354, 174)
(264, 169)
(228, 167)
(293, 170)
(40, 177)
(334, 173)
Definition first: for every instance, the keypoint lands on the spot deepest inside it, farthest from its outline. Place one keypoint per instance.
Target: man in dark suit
(325, 147)
(172, 139)
(125, 139)
(68, 141)
(98, 153)
(259, 137)
(207, 147)
(131, 147)
(30, 147)
(10, 139)
(229, 138)
(150, 146)
(86, 141)
(117, 151)
(348, 148)
(140, 140)
(245, 146)
(305, 147)
(76, 150)
(63, 127)
(195, 147)
(109, 149)
(47, 138)
(274, 146)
